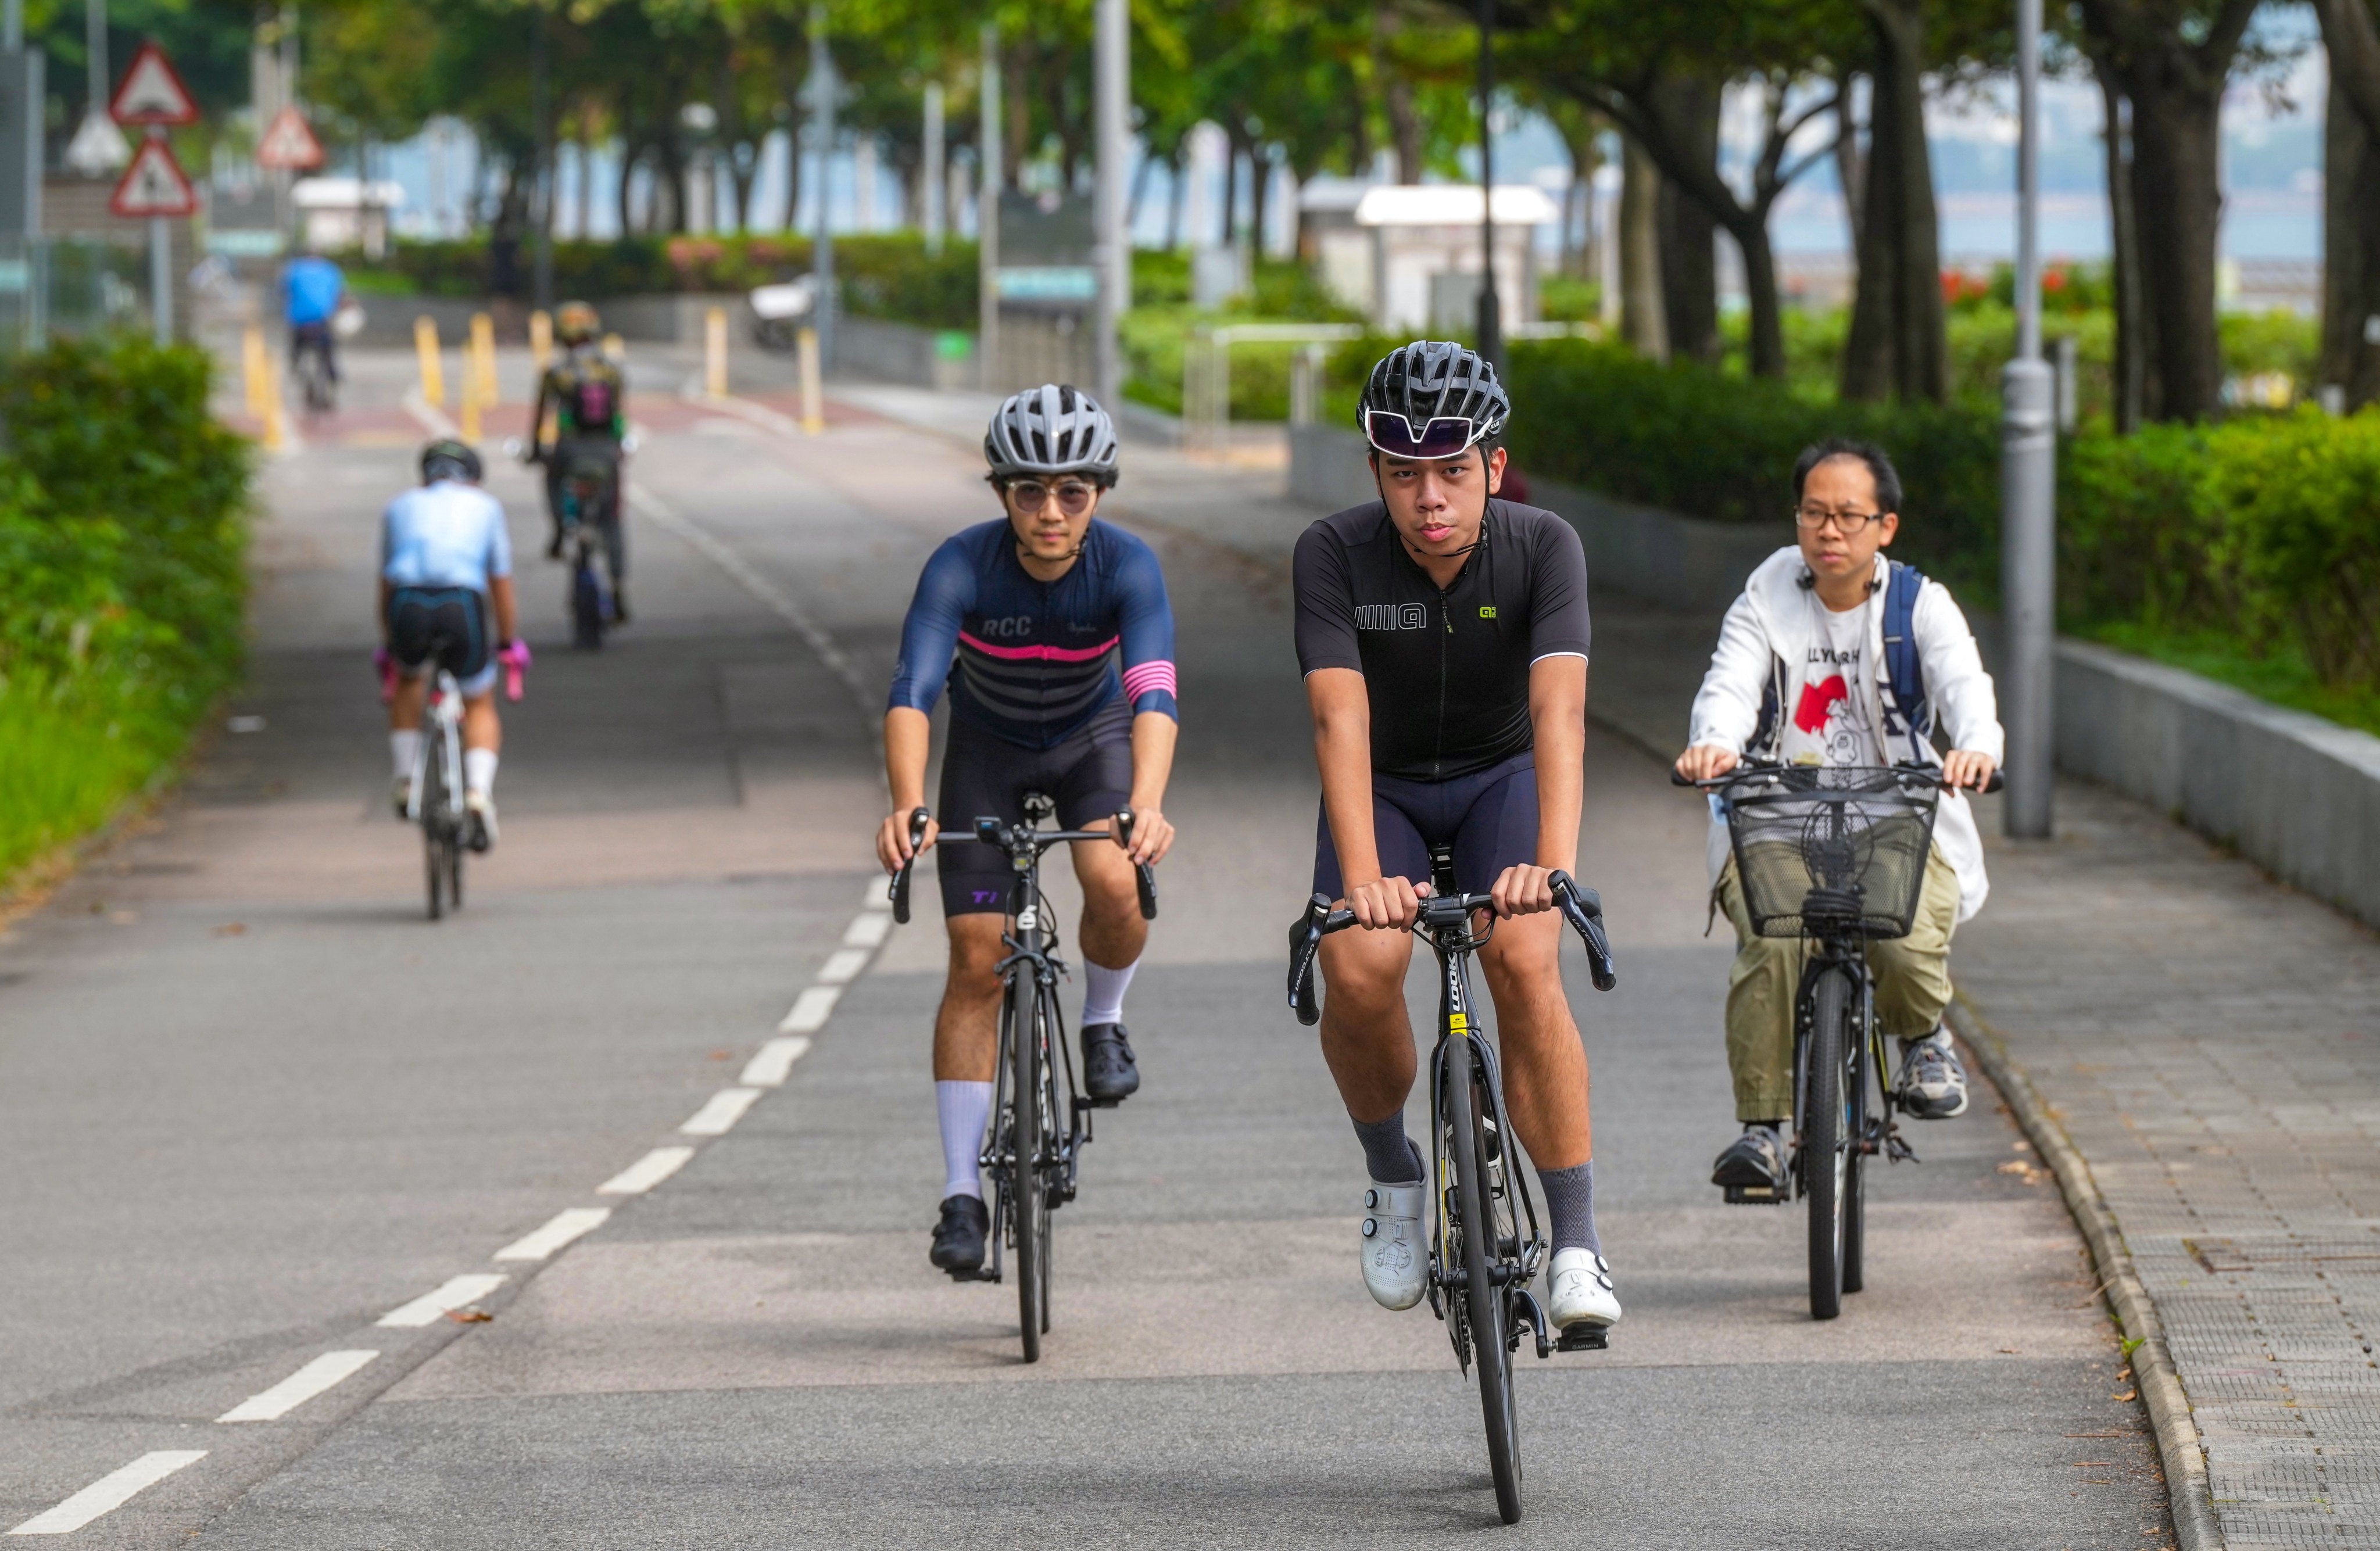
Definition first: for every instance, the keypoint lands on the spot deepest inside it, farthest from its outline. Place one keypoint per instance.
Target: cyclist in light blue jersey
(446, 562)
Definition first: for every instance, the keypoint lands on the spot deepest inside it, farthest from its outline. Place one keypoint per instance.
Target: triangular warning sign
(288, 142)
(153, 184)
(151, 93)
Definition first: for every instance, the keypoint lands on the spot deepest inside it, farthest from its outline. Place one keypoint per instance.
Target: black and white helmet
(1433, 379)
(1054, 429)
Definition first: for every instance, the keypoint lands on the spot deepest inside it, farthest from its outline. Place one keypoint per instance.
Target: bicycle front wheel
(1028, 1190)
(1484, 1300)
(433, 817)
(586, 605)
(1826, 1140)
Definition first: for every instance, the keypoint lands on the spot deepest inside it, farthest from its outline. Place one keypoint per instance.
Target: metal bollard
(2029, 564)
(714, 352)
(813, 391)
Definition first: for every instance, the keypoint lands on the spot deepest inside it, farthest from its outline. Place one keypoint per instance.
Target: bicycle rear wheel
(1028, 1190)
(1825, 1141)
(434, 819)
(1855, 1097)
(585, 604)
(1484, 1304)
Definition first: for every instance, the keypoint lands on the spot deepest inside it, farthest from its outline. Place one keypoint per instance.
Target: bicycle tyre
(1855, 1168)
(1026, 1188)
(433, 814)
(586, 606)
(1482, 1300)
(1824, 1147)
(454, 849)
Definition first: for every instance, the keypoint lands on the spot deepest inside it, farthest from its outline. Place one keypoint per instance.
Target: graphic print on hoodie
(1830, 724)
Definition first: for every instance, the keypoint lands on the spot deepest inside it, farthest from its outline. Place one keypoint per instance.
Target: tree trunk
(1644, 320)
(1231, 190)
(793, 178)
(1898, 342)
(1260, 170)
(1404, 119)
(1851, 161)
(1174, 195)
(2178, 204)
(2124, 249)
(629, 152)
(2351, 313)
(1688, 231)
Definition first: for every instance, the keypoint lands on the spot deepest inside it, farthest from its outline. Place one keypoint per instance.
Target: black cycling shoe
(958, 1238)
(1110, 1074)
(1755, 1160)
(553, 546)
(619, 604)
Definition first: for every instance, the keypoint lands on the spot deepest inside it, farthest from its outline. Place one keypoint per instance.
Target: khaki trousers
(1912, 986)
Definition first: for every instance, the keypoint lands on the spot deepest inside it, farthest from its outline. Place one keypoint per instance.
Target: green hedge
(122, 582)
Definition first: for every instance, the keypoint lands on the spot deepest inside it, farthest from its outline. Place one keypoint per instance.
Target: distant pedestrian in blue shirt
(311, 290)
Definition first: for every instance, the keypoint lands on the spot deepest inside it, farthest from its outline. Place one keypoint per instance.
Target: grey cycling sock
(1388, 1153)
(1570, 1205)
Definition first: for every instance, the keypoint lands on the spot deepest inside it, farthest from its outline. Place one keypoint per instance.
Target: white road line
(843, 966)
(867, 929)
(566, 1226)
(271, 1405)
(778, 602)
(877, 895)
(810, 1010)
(646, 1172)
(109, 1492)
(428, 415)
(720, 1112)
(773, 1062)
(430, 1306)
(758, 414)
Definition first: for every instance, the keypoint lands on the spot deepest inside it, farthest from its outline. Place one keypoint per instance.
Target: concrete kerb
(2180, 1447)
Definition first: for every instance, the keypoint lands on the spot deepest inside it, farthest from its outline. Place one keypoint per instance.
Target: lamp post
(1491, 311)
(1110, 244)
(986, 214)
(822, 91)
(2029, 482)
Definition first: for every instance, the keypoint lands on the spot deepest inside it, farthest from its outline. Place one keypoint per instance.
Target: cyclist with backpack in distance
(588, 396)
(1053, 633)
(1443, 635)
(1836, 655)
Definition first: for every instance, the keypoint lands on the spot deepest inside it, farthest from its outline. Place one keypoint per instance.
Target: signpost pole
(2029, 482)
(160, 279)
(822, 93)
(1110, 244)
(1491, 311)
(987, 215)
(934, 184)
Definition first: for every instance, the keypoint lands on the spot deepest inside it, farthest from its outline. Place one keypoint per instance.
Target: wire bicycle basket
(1834, 850)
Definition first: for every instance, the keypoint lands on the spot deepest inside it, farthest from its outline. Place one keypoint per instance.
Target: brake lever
(1144, 878)
(1305, 942)
(1584, 909)
(900, 889)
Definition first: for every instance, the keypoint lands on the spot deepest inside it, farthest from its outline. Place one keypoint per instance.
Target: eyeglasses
(1445, 437)
(1815, 518)
(1074, 496)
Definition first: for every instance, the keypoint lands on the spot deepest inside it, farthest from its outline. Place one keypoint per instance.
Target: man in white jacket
(1802, 675)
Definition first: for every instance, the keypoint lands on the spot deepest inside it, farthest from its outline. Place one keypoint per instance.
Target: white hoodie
(1776, 620)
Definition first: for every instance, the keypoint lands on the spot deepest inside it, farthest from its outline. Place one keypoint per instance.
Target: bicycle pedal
(1757, 1195)
(1584, 1337)
(980, 1274)
(1898, 1151)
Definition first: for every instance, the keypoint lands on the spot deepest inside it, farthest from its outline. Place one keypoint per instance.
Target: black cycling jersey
(1447, 673)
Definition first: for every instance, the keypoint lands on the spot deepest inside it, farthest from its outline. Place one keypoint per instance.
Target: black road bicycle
(1040, 1118)
(590, 516)
(1836, 855)
(436, 803)
(1485, 1243)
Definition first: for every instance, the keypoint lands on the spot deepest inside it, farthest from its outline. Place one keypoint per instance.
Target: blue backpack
(1907, 712)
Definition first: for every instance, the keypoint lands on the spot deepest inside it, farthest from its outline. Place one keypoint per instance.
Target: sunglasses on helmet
(1444, 437)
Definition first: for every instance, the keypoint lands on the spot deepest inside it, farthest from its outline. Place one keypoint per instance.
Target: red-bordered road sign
(150, 92)
(153, 184)
(289, 142)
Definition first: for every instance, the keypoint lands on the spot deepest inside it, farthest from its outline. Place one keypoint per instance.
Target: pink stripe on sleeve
(1144, 677)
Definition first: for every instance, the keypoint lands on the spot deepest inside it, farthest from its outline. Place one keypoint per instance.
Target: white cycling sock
(1103, 990)
(963, 1109)
(479, 769)
(404, 748)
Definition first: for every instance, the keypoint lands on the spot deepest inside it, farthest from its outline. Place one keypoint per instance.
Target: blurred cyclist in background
(588, 397)
(312, 289)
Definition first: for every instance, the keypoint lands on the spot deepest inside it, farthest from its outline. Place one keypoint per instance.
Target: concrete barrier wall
(2294, 792)
(904, 353)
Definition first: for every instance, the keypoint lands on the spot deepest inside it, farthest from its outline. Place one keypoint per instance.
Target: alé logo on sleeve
(1391, 616)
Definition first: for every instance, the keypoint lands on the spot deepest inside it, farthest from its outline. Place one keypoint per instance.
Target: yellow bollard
(484, 359)
(714, 352)
(251, 362)
(540, 342)
(433, 374)
(813, 392)
(276, 420)
(467, 415)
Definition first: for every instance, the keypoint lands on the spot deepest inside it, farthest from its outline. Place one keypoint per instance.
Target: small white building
(342, 212)
(1409, 254)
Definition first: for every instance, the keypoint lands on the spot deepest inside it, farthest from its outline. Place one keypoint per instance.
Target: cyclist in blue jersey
(1052, 632)
(312, 289)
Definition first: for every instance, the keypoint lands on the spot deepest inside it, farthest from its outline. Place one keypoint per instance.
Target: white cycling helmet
(1054, 429)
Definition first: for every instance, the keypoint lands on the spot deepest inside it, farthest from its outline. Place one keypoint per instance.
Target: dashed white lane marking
(646, 1172)
(454, 1293)
(773, 1062)
(843, 966)
(776, 598)
(758, 414)
(574, 1223)
(426, 414)
(271, 1405)
(720, 1112)
(810, 1010)
(109, 1492)
(869, 929)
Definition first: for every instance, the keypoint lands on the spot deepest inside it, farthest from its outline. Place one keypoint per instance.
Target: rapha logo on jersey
(1391, 616)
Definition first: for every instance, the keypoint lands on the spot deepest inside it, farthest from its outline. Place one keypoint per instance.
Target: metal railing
(1206, 375)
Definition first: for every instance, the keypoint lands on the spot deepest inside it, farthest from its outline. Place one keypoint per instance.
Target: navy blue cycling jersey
(1036, 660)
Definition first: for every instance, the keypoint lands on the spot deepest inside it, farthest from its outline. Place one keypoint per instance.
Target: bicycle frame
(441, 719)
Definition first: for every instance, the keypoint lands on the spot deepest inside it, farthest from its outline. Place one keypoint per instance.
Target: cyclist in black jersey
(1443, 634)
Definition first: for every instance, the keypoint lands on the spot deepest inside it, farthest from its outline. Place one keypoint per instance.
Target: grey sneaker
(1933, 1085)
(1755, 1160)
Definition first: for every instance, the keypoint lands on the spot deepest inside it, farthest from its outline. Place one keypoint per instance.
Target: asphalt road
(252, 1103)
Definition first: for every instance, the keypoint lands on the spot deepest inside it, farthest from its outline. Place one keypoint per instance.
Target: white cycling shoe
(1396, 1258)
(1580, 1290)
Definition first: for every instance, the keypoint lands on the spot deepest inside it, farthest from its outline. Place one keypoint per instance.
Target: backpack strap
(1907, 711)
